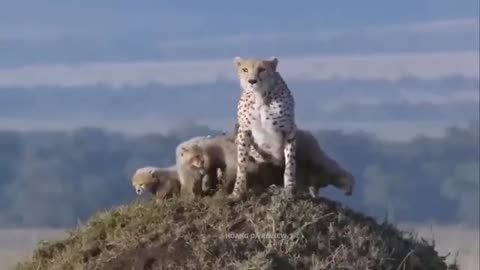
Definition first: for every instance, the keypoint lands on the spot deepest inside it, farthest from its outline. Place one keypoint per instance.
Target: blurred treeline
(58, 179)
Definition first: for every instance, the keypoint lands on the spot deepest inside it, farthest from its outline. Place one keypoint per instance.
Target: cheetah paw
(233, 197)
(290, 191)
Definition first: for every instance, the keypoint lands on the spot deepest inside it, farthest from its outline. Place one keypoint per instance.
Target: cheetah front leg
(244, 143)
(207, 183)
(289, 150)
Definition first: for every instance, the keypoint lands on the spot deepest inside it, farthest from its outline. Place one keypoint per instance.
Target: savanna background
(92, 90)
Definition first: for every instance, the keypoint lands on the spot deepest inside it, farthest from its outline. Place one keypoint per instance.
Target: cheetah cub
(266, 118)
(200, 160)
(163, 183)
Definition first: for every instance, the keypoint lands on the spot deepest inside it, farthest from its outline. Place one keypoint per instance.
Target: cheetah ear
(273, 62)
(183, 150)
(238, 60)
(152, 172)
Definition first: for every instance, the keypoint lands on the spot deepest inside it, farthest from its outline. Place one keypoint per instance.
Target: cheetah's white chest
(265, 134)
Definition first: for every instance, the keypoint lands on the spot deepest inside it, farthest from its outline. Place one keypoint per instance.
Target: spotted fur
(266, 118)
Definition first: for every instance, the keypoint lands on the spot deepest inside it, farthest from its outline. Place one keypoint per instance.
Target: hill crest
(267, 231)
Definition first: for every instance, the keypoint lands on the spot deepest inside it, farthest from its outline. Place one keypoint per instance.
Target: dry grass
(270, 231)
(16, 244)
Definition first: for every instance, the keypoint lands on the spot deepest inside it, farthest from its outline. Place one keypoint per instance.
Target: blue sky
(42, 32)
(133, 44)
(38, 36)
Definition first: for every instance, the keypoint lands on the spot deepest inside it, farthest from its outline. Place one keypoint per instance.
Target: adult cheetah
(266, 118)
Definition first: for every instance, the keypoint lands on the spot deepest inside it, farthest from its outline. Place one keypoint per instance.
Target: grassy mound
(268, 231)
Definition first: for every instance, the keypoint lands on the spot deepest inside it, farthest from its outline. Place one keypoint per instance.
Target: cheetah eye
(261, 70)
(245, 69)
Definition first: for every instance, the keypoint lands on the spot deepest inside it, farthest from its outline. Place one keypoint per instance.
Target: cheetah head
(194, 156)
(256, 74)
(146, 179)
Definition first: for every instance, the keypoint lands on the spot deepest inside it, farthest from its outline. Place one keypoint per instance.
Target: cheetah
(215, 160)
(163, 183)
(190, 180)
(208, 159)
(205, 162)
(315, 169)
(266, 118)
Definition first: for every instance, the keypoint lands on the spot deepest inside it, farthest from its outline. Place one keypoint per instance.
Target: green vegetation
(268, 231)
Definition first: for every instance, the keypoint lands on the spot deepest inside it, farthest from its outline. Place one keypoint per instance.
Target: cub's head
(193, 156)
(146, 179)
(256, 74)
